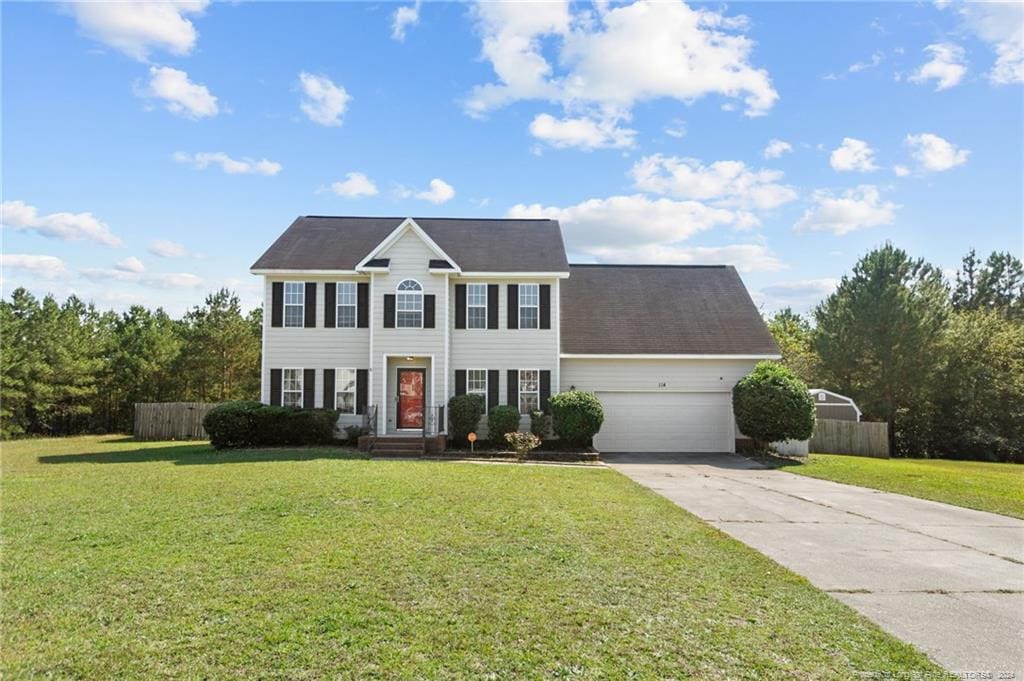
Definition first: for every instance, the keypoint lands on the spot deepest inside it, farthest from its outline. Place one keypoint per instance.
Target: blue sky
(151, 152)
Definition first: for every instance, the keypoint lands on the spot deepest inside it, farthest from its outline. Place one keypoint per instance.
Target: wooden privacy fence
(171, 420)
(863, 438)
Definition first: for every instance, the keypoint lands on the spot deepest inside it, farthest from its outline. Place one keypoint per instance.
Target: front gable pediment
(408, 227)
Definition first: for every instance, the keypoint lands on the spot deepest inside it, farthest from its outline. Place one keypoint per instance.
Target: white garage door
(666, 422)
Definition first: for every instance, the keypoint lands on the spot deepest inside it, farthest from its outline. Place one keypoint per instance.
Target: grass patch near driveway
(981, 485)
(125, 559)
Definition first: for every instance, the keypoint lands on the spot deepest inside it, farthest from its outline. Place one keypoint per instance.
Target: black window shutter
(362, 381)
(460, 306)
(277, 303)
(329, 386)
(492, 306)
(545, 306)
(389, 310)
(513, 306)
(492, 388)
(330, 304)
(363, 305)
(275, 387)
(428, 311)
(545, 389)
(460, 381)
(308, 388)
(310, 305)
(513, 388)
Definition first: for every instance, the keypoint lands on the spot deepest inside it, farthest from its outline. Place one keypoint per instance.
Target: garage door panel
(666, 422)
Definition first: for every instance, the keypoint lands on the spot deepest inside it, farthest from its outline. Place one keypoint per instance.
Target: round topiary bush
(231, 424)
(771, 404)
(464, 414)
(501, 420)
(576, 416)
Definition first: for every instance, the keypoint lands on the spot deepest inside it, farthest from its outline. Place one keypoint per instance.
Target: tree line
(942, 364)
(70, 368)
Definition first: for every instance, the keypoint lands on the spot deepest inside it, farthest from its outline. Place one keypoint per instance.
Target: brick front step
(391, 445)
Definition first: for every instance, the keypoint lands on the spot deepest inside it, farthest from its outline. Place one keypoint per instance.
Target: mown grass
(993, 487)
(128, 560)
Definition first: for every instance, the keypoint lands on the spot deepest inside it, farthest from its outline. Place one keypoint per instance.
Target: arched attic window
(409, 305)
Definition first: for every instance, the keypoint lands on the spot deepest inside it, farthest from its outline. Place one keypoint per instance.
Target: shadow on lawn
(200, 455)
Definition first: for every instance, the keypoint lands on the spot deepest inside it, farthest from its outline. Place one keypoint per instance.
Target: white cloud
(1001, 25)
(180, 95)
(323, 101)
(853, 154)
(403, 18)
(46, 266)
(354, 186)
(744, 257)
(620, 222)
(231, 166)
(800, 295)
(935, 154)
(18, 215)
(876, 58)
(137, 28)
(677, 129)
(947, 66)
(614, 57)
(439, 192)
(901, 171)
(167, 249)
(777, 148)
(131, 264)
(726, 183)
(857, 208)
(584, 133)
(160, 280)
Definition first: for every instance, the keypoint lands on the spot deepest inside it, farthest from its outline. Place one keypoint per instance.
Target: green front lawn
(994, 487)
(170, 560)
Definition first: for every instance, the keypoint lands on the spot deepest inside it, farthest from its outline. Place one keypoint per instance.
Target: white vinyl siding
(291, 387)
(476, 306)
(345, 390)
(529, 390)
(294, 303)
(346, 301)
(529, 306)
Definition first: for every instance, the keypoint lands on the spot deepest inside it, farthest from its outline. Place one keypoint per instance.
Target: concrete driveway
(946, 579)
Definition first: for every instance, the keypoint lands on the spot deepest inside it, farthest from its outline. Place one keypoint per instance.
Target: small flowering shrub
(523, 443)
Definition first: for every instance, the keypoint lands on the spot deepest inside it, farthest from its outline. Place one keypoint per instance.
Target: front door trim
(422, 371)
(385, 407)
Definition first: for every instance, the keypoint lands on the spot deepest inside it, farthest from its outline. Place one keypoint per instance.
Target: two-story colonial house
(389, 317)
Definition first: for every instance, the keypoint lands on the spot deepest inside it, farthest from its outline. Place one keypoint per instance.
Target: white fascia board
(624, 356)
(385, 270)
(299, 273)
(514, 275)
(396, 234)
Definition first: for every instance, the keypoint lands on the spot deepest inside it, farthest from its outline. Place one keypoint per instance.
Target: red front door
(410, 397)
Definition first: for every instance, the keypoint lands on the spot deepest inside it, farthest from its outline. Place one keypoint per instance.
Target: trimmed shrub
(540, 424)
(576, 416)
(523, 443)
(501, 420)
(772, 404)
(250, 424)
(230, 424)
(464, 414)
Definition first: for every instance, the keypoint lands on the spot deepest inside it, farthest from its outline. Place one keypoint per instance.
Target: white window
(346, 299)
(821, 397)
(294, 303)
(345, 390)
(291, 387)
(409, 308)
(476, 306)
(529, 306)
(476, 383)
(529, 390)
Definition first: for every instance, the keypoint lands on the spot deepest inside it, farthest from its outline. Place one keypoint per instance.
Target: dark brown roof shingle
(660, 309)
(476, 245)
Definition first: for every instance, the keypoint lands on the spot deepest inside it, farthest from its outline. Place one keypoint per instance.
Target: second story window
(294, 303)
(476, 306)
(346, 317)
(529, 306)
(409, 305)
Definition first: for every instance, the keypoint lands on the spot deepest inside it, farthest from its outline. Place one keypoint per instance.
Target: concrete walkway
(947, 579)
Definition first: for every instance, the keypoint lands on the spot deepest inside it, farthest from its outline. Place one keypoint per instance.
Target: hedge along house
(830, 405)
(390, 317)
